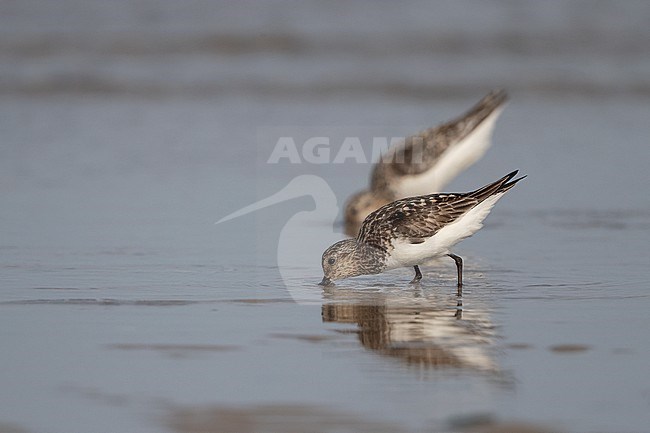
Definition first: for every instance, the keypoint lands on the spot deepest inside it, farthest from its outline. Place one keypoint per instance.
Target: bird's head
(350, 258)
(340, 261)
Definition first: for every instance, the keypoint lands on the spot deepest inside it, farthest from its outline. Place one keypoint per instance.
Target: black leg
(418, 275)
(459, 268)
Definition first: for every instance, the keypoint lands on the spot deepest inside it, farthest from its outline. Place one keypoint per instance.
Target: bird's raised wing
(419, 152)
(419, 218)
(415, 218)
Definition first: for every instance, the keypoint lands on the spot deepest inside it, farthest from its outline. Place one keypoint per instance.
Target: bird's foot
(418, 275)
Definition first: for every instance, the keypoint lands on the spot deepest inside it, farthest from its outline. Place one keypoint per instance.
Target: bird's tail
(500, 186)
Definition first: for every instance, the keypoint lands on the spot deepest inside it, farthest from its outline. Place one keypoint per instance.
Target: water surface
(126, 133)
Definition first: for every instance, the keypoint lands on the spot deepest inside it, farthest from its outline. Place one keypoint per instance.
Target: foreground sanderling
(414, 230)
(426, 162)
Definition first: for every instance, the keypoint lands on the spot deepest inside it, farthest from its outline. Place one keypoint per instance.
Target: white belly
(405, 253)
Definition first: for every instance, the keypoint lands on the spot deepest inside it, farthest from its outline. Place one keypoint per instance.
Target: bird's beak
(326, 282)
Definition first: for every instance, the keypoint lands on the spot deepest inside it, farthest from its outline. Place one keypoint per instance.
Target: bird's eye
(331, 260)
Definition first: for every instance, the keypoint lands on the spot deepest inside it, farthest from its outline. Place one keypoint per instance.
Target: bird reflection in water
(422, 329)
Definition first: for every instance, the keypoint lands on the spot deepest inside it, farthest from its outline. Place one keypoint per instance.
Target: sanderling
(424, 163)
(413, 230)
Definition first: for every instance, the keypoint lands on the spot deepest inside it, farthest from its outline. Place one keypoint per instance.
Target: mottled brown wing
(419, 225)
(418, 153)
(419, 218)
(415, 218)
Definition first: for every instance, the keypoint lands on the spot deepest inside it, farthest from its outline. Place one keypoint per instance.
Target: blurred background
(127, 127)
(182, 94)
(290, 49)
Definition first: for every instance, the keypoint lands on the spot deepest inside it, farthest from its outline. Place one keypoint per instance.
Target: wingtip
(507, 178)
(519, 178)
(499, 96)
(510, 183)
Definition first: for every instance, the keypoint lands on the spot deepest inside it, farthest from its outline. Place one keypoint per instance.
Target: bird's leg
(459, 268)
(418, 275)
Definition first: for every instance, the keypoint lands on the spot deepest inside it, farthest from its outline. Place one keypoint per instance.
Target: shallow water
(127, 132)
